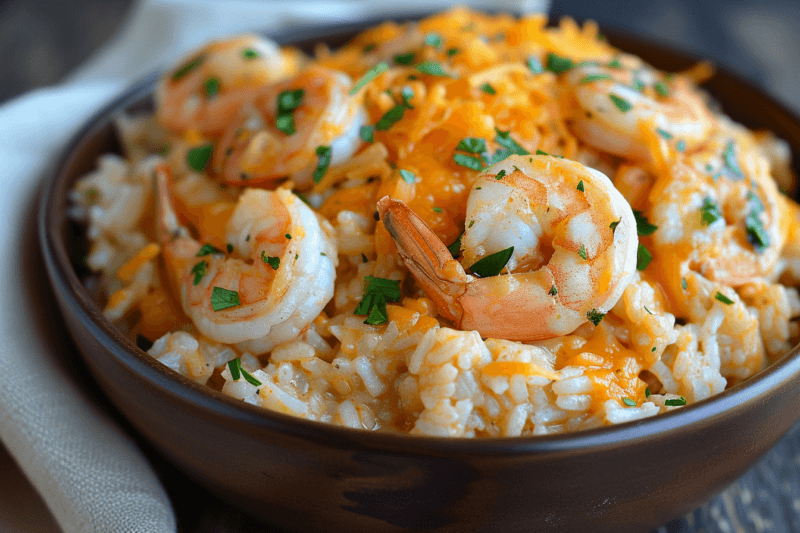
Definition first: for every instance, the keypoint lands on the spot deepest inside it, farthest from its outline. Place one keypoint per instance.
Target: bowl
(301, 475)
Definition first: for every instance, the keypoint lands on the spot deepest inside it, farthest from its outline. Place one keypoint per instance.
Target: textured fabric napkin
(89, 472)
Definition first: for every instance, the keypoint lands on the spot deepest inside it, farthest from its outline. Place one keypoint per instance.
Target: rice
(679, 333)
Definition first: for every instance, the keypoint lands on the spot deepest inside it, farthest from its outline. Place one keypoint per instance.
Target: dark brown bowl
(301, 475)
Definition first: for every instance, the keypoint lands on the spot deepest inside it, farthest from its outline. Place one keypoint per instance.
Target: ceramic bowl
(302, 475)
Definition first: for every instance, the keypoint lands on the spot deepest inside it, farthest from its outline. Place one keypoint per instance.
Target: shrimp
(608, 103)
(718, 210)
(259, 147)
(209, 87)
(276, 278)
(574, 249)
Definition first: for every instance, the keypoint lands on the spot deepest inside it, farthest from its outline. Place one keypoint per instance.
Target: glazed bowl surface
(302, 475)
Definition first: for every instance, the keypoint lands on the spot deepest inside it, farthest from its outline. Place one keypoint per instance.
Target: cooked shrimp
(608, 104)
(275, 279)
(205, 92)
(574, 249)
(279, 135)
(719, 210)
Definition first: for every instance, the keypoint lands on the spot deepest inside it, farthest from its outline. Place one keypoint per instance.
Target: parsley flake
(661, 89)
(756, 233)
(643, 257)
(468, 161)
(553, 291)
(187, 68)
(683, 284)
(404, 59)
(377, 292)
(622, 104)
(595, 317)
(722, 298)
(433, 39)
(473, 145)
(390, 117)
(582, 252)
(595, 77)
(676, 401)
(667, 135)
(432, 68)
(558, 64)
(455, 247)
(681, 146)
(580, 186)
(324, 155)
(288, 101)
(535, 65)
(198, 157)
(199, 270)
(211, 87)
(235, 366)
(709, 212)
(367, 133)
(500, 175)
(492, 264)
(208, 249)
(628, 402)
(488, 89)
(647, 392)
(614, 225)
(643, 227)
(646, 309)
(452, 51)
(274, 262)
(438, 210)
(729, 155)
(249, 53)
(288, 236)
(614, 63)
(408, 176)
(223, 298)
(505, 140)
(369, 76)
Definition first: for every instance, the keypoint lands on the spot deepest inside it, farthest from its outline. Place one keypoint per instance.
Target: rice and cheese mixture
(467, 226)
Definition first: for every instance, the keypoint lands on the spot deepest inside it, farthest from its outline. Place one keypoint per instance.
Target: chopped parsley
(407, 94)
(369, 76)
(469, 161)
(208, 249)
(211, 87)
(628, 402)
(643, 257)
(667, 135)
(504, 139)
(438, 210)
(455, 247)
(404, 59)
(408, 176)
(580, 186)
(223, 298)
(661, 89)
(433, 39)
(492, 264)
(614, 63)
(709, 212)
(643, 227)
(614, 225)
(684, 286)
(676, 402)
(472, 222)
(367, 133)
(377, 292)
(722, 298)
(452, 51)
(235, 366)
(595, 317)
(637, 85)
(553, 291)
(198, 157)
(535, 65)
(390, 117)
(249, 53)
(274, 262)
(500, 175)
(187, 68)
(324, 155)
(364, 258)
(488, 89)
(622, 104)
(199, 270)
(582, 252)
(288, 236)
(681, 146)
(369, 48)
(595, 77)
(229, 246)
(288, 101)
(432, 68)
(756, 233)
(646, 309)
(647, 392)
(473, 145)
(729, 155)
(558, 64)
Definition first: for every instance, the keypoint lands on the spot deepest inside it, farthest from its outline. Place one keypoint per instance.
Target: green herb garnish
(390, 117)
(558, 64)
(208, 249)
(274, 262)
(595, 77)
(676, 401)
(199, 270)
(455, 247)
(438, 210)
(433, 39)
(492, 264)
(614, 63)
(488, 89)
(643, 227)
(722, 298)
(729, 155)
(469, 161)
(404, 59)
(408, 176)
(622, 104)
(367, 133)
(187, 68)
(628, 402)
(595, 316)
(211, 87)
(553, 291)
(369, 76)
(667, 135)
(377, 292)
(614, 225)
(709, 212)
(683, 284)
(432, 68)
(198, 157)
(661, 89)
(235, 366)
(324, 155)
(473, 145)
(535, 65)
(647, 392)
(503, 138)
(582, 252)
(223, 298)
(756, 233)
(643, 257)
(452, 51)
(249, 53)
(500, 175)
(580, 186)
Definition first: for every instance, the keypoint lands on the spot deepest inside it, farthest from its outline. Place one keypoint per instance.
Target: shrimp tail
(426, 256)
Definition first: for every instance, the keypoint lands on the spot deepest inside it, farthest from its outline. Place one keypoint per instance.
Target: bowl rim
(213, 403)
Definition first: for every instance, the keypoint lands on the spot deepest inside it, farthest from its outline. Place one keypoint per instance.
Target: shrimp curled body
(280, 263)
(574, 240)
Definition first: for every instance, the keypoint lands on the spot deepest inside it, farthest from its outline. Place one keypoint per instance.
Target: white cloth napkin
(90, 473)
